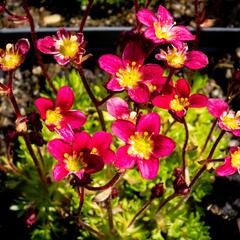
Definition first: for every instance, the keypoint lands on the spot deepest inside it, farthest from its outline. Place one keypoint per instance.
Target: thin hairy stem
(108, 205)
(80, 191)
(185, 146)
(197, 22)
(204, 167)
(35, 160)
(111, 183)
(34, 39)
(169, 77)
(82, 224)
(92, 97)
(164, 202)
(85, 15)
(105, 99)
(140, 211)
(208, 136)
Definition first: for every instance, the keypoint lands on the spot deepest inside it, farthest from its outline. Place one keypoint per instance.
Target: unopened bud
(157, 190)
(21, 124)
(180, 186)
(115, 192)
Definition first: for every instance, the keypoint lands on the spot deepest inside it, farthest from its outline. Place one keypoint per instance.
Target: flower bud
(157, 190)
(180, 185)
(115, 192)
(21, 124)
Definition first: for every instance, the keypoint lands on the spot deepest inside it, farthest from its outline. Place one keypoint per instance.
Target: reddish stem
(197, 21)
(34, 39)
(164, 202)
(111, 183)
(185, 147)
(85, 15)
(80, 191)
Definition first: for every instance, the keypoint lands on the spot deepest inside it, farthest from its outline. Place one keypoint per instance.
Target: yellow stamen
(73, 162)
(231, 120)
(68, 47)
(236, 159)
(141, 145)
(54, 117)
(179, 104)
(130, 76)
(162, 32)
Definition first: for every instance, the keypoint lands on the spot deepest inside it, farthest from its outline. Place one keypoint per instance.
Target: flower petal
(74, 118)
(196, 60)
(113, 85)
(150, 34)
(163, 146)
(151, 72)
(133, 53)
(182, 88)
(162, 101)
(181, 33)
(217, 106)
(23, 45)
(61, 59)
(198, 101)
(118, 108)
(43, 104)
(226, 169)
(47, 45)
(146, 17)
(123, 129)
(107, 155)
(123, 159)
(148, 168)
(149, 123)
(65, 98)
(57, 148)
(65, 131)
(101, 140)
(110, 63)
(165, 18)
(94, 163)
(59, 172)
(82, 141)
(139, 94)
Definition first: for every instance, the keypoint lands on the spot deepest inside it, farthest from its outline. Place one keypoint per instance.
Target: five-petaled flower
(228, 120)
(161, 29)
(180, 57)
(76, 157)
(14, 55)
(231, 164)
(129, 73)
(143, 144)
(58, 117)
(65, 46)
(180, 99)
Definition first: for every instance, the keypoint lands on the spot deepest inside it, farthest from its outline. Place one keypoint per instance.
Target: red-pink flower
(180, 57)
(129, 74)
(119, 109)
(65, 46)
(143, 144)
(228, 120)
(180, 99)
(76, 157)
(161, 29)
(231, 164)
(58, 117)
(14, 55)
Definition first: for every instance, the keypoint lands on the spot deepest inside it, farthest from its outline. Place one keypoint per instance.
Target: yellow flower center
(236, 159)
(162, 31)
(69, 46)
(232, 120)
(130, 76)
(179, 104)
(10, 59)
(94, 151)
(73, 162)
(54, 117)
(175, 59)
(141, 145)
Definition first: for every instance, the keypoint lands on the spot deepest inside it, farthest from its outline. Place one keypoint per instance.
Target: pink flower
(143, 144)
(180, 57)
(65, 46)
(129, 73)
(76, 158)
(14, 55)
(58, 117)
(180, 99)
(119, 109)
(161, 29)
(227, 120)
(231, 164)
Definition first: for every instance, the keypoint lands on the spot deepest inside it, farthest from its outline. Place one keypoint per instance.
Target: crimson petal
(149, 123)
(43, 104)
(65, 98)
(57, 148)
(148, 168)
(110, 63)
(123, 129)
